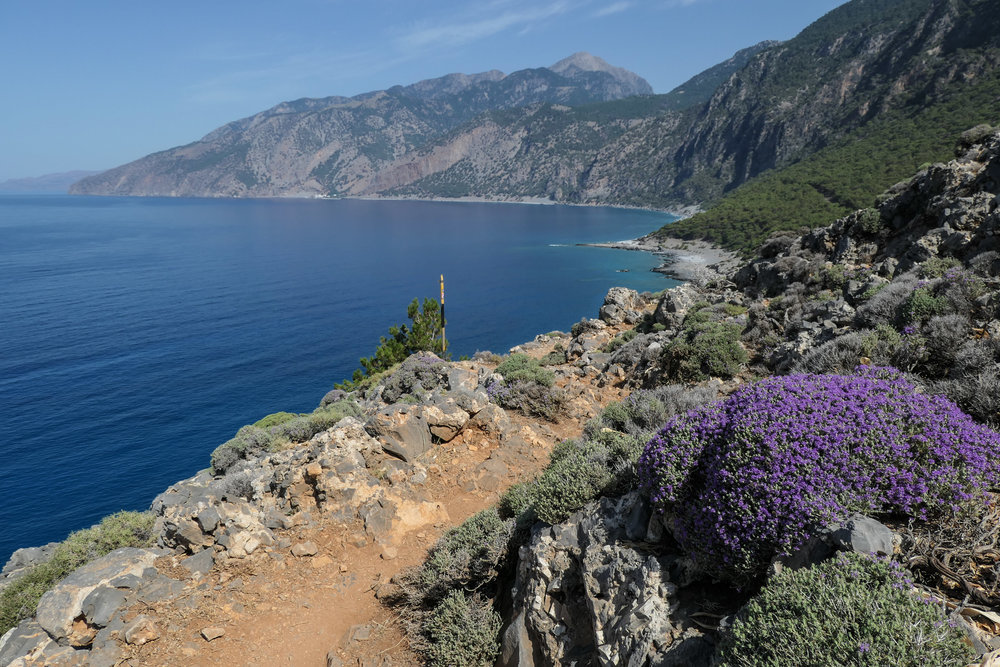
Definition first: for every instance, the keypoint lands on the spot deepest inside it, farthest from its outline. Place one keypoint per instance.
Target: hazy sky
(91, 85)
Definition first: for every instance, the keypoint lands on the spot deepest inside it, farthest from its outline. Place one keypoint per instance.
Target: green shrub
(19, 600)
(274, 419)
(515, 501)
(851, 610)
(462, 632)
(619, 340)
(254, 440)
(872, 291)
(923, 305)
(521, 367)
(248, 442)
(423, 335)
(936, 267)
(577, 473)
(554, 358)
(418, 374)
(705, 349)
(530, 398)
(733, 310)
(527, 387)
(869, 221)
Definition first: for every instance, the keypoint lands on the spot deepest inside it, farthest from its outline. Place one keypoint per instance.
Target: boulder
(445, 419)
(675, 303)
(620, 305)
(402, 430)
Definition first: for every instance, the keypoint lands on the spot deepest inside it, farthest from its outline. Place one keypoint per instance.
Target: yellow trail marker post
(444, 341)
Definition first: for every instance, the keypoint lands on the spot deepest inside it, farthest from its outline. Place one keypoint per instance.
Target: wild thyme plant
(750, 477)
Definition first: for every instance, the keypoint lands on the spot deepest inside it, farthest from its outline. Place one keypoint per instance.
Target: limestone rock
(303, 549)
(620, 304)
(141, 630)
(402, 430)
(584, 591)
(674, 305)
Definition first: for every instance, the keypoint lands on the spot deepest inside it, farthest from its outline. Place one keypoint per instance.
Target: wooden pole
(444, 341)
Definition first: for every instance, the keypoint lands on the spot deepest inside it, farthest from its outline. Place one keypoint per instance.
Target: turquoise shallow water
(138, 334)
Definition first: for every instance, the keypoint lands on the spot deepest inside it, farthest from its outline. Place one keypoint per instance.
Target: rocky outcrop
(591, 591)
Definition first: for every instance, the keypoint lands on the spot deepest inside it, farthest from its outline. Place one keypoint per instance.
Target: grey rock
(303, 549)
(586, 593)
(491, 419)
(377, 516)
(863, 535)
(619, 303)
(201, 563)
(516, 649)
(857, 533)
(460, 379)
(674, 305)
(471, 401)
(101, 604)
(28, 556)
(445, 419)
(141, 630)
(21, 640)
(208, 519)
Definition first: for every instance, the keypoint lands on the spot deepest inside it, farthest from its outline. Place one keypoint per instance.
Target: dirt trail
(278, 609)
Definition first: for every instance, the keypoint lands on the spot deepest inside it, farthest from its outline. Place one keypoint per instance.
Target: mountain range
(900, 78)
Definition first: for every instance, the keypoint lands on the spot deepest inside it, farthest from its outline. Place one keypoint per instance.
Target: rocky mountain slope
(339, 145)
(846, 70)
(582, 564)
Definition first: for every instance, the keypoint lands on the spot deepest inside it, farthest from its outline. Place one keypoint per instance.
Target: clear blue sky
(90, 85)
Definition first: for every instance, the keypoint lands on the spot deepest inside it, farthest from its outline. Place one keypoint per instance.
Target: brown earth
(275, 608)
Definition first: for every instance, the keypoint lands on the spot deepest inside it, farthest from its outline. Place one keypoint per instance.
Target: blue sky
(90, 85)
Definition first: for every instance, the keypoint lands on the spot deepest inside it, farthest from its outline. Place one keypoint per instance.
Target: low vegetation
(527, 386)
(19, 599)
(276, 431)
(706, 347)
(851, 610)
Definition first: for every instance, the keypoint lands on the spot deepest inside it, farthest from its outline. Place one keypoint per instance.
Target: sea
(137, 334)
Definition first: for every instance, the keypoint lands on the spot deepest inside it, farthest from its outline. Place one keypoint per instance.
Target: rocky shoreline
(687, 261)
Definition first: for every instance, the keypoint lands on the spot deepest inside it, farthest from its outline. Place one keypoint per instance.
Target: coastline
(688, 261)
(679, 212)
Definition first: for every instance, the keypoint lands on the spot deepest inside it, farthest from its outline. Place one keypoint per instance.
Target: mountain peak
(585, 62)
(582, 63)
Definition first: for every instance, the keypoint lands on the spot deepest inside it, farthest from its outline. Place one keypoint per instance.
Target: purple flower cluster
(750, 477)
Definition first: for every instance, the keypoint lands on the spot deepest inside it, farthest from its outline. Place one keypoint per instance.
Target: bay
(138, 334)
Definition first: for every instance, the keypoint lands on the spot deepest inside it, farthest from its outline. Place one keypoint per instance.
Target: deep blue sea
(138, 334)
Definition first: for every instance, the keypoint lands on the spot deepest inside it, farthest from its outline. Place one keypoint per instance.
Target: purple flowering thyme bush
(749, 477)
